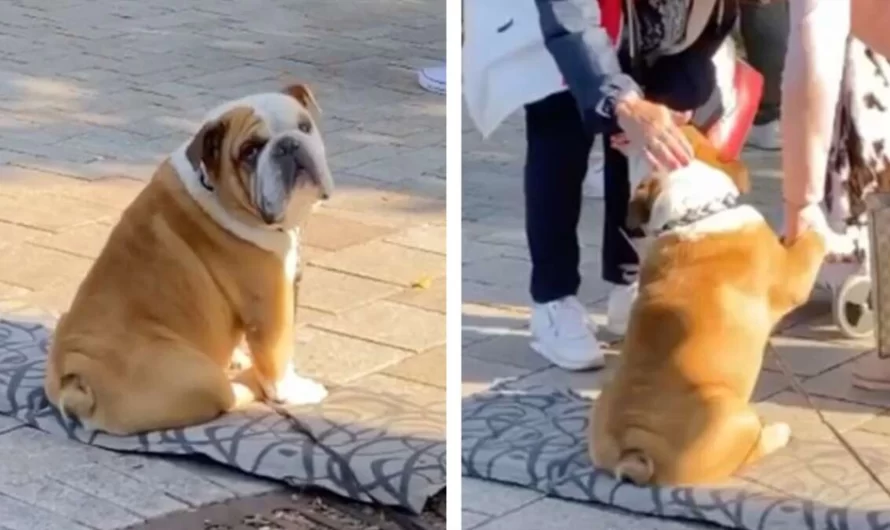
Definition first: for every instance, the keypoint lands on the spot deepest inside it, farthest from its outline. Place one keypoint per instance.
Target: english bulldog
(205, 257)
(714, 281)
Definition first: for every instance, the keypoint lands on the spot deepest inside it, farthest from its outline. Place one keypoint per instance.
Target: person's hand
(655, 129)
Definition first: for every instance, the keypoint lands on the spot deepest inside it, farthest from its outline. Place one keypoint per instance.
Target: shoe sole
(430, 85)
(593, 364)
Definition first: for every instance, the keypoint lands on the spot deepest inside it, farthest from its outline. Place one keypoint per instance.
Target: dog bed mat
(536, 438)
(370, 447)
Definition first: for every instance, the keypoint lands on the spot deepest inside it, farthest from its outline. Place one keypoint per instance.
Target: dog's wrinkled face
(264, 158)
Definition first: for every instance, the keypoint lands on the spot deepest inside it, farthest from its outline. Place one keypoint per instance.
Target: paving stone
(588, 383)
(13, 234)
(822, 471)
(139, 497)
(17, 515)
(330, 232)
(470, 520)
(807, 357)
(556, 513)
(430, 397)
(55, 297)
(479, 376)
(29, 454)
(239, 483)
(429, 238)
(495, 499)
(338, 359)
(821, 328)
(837, 384)
(7, 424)
(511, 349)
(432, 298)
(498, 271)
(86, 241)
(385, 262)
(8, 291)
(36, 267)
(792, 408)
(184, 485)
(335, 292)
(72, 504)
(427, 368)
(307, 316)
(17, 182)
(51, 212)
(390, 323)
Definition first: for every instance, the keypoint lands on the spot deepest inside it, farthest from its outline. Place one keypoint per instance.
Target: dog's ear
(639, 209)
(302, 93)
(206, 147)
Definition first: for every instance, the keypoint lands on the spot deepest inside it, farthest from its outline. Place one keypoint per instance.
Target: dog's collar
(203, 178)
(693, 215)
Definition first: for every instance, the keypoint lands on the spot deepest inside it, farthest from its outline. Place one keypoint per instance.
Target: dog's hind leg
(179, 387)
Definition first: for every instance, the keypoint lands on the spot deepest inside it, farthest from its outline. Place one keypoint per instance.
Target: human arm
(586, 57)
(870, 23)
(814, 66)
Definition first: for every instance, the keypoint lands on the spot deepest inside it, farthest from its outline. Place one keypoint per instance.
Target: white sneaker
(767, 136)
(564, 335)
(593, 181)
(621, 299)
(432, 79)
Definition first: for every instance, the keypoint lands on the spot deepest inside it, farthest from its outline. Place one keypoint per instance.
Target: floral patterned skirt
(859, 159)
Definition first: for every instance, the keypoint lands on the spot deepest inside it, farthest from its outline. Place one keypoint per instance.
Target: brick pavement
(495, 343)
(93, 93)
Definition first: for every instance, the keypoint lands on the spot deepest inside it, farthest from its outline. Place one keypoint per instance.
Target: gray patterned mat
(536, 438)
(371, 447)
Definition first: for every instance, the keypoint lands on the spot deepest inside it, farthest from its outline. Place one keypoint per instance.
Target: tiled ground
(495, 344)
(93, 93)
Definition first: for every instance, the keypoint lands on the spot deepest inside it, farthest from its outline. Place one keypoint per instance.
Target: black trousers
(558, 147)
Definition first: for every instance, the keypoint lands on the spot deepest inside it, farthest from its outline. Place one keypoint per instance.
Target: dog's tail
(74, 395)
(76, 398)
(634, 465)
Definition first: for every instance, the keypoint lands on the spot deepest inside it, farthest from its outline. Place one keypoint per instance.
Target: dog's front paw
(296, 390)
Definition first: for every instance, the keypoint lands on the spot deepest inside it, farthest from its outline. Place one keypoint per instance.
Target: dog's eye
(251, 151)
(305, 126)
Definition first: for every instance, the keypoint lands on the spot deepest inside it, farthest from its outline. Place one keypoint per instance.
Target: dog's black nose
(287, 146)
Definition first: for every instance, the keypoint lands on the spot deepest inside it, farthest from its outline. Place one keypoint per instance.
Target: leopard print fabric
(859, 159)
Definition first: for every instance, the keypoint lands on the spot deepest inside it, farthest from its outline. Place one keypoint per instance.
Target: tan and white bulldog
(714, 281)
(204, 257)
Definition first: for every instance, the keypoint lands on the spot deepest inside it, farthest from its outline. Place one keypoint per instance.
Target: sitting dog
(205, 256)
(713, 283)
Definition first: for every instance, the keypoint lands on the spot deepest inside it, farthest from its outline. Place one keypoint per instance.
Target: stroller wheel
(852, 309)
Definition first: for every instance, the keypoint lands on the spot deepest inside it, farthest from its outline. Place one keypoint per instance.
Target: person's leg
(556, 163)
(764, 29)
